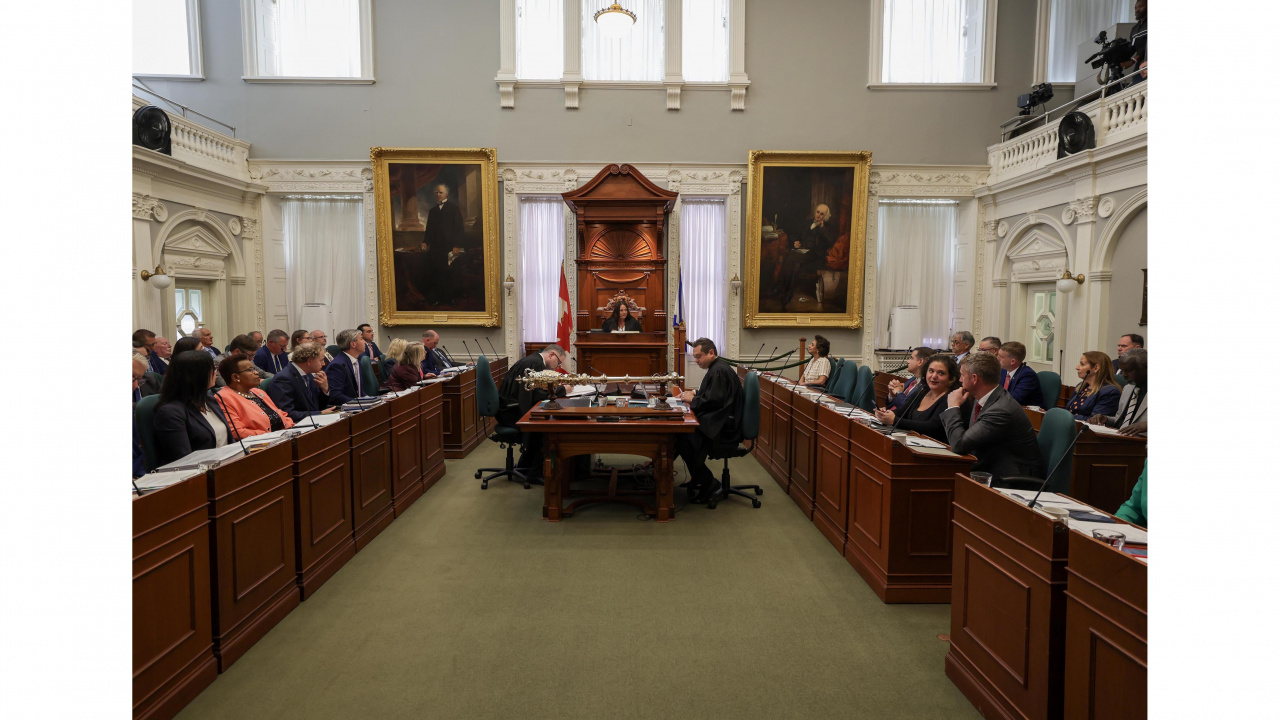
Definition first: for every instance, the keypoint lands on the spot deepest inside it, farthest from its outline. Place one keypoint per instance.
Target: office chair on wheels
(488, 403)
(750, 430)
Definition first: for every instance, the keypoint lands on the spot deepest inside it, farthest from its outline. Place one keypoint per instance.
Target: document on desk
(923, 442)
(210, 456)
(581, 391)
(1131, 534)
(1103, 430)
(1046, 498)
(157, 480)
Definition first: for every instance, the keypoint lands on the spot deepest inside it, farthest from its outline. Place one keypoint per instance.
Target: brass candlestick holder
(550, 379)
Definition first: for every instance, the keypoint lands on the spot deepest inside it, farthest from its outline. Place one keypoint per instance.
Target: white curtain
(540, 237)
(324, 258)
(914, 265)
(704, 41)
(703, 264)
(319, 38)
(924, 41)
(540, 39)
(639, 55)
(1072, 22)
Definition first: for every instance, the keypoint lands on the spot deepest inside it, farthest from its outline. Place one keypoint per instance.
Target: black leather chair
(489, 403)
(750, 430)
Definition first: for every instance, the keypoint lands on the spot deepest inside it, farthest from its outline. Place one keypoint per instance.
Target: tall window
(703, 267)
(317, 39)
(640, 55)
(704, 34)
(1073, 22)
(914, 266)
(934, 41)
(166, 38)
(539, 39)
(540, 237)
(324, 256)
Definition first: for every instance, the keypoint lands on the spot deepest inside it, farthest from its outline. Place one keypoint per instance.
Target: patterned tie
(311, 392)
(355, 370)
(977, 408)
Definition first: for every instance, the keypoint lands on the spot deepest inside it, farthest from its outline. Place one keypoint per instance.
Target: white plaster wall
(1126, 282)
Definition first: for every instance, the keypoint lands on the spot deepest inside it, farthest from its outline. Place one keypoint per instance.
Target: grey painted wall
(1125, 303)
(436, 60)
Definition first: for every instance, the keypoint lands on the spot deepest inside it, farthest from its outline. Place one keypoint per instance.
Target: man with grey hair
(514, 400)
(345, 383)
(206, 343)
(982, 419)
(1131, 417)
(159, 356)
(444, 233)
(144, 383)
(990, 344)
(961, 343)
(273, 357)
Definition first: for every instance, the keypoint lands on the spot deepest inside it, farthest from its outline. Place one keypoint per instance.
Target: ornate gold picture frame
(438, 256)
(806, 238)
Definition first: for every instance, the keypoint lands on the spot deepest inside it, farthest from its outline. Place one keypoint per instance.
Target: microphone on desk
(468, 348)
(593, 369)
(1066, 454)
(479, 348)
(491, 348)
(771, 352)
(230, 425)
(447, 356)
(757, 356)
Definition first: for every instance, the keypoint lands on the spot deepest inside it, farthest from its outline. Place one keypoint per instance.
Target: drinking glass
(1112, 538)
(982, 478)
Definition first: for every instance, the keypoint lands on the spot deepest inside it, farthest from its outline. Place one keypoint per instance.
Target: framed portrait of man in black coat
(437, 235)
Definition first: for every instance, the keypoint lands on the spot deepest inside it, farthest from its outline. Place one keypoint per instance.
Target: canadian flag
(564, 331)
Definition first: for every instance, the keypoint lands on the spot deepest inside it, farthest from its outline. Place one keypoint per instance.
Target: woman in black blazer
(1097, 393)
(621, 319)
(923, 412)
(187, 418)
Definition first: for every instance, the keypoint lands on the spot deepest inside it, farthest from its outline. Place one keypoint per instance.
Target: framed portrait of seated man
(806, 238)
(437, 241)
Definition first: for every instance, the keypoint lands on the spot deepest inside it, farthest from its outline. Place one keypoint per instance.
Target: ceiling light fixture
(615, 20)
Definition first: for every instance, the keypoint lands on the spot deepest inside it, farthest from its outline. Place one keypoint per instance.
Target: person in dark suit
(321, 340)
(436, 360)
(158, 357)
(139, 457)
(514, 400)
(302, 388)
(922, 412)
(371, 350)
(961, 343)
(1131, 417)
(718, 406)
(206, 343)
(983, 420)
(443, 236)
(345, 383)
(144, 383)
(272, 357)
(807, 254)
(1020, 381)
(186, 419)
(1098, 393)
(900, 393)
(620, 319)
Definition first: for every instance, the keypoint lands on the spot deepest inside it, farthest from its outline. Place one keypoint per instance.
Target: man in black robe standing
(718, 406)
(444, 234)
(514, 400)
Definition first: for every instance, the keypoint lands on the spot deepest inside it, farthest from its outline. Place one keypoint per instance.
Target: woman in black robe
(621, 319)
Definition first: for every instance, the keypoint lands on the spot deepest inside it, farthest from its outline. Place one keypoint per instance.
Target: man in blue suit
(371, 350)
(159, 354)
(345, 383)
(301, 389)
(435, 361)
(272, 357)
(899, 392)
(1020, 381)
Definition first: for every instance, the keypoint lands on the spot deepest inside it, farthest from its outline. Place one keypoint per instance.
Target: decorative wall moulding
(149, 208)
(1106, 206)
(234, 225)
(1002, 229)
(1081, 210)
(925, 180)
(322, 176)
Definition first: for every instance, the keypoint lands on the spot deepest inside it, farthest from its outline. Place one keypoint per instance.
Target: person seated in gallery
(514, 400)
(1134, 509)
(345, 381)
(923, 410)
(1020, 381)
(819, 367)
(1131, 417)
(408, 368)
(395, 354)
(186, 418)
(718, 404)
(621, 319)
(1097, 393)
(272, 357)
(302, 388)
(983, 420)
(297, 338)
(899, 392)
(248, 409)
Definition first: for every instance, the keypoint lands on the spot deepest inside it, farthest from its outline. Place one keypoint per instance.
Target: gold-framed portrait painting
(806, 238)
(437, 212)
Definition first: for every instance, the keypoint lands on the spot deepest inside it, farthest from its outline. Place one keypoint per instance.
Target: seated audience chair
(333, 350)
(1050, 387)
(843, 389)
(1056, 433)
(369, 378)
(750, 430)
(488, 403)
(266, 384)
(836, 368)
(864, 393)
(144, 414)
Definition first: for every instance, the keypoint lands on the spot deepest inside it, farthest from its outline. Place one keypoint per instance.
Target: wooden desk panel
(370, 474)
(1106, 633)
(1104, 468)
(252, 549)
(1008, 605)
(831, 476)
(780, 428)
(406, 451)
(763, 451)
(634, 354)
(431, 427)
(803, 439)
(322, 504)
(172, 611)
(462, 428)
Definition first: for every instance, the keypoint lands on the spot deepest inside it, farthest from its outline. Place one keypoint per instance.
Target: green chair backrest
(486, 389)
(144, 415)
(864, 393)
(266, 383)
(368, 378)
(848, 378)
(155, 376)
(751, 406)
(1050, 387)
(385, 366)
(1056, 433)
(332, 350)
(836, 366)
(1120, 380)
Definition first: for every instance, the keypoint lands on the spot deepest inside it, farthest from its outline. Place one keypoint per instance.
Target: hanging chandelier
(615, 20)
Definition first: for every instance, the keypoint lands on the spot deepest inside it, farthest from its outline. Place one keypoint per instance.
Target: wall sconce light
(735, 284)
(1067, 283)
(157, 279)
(509, 283)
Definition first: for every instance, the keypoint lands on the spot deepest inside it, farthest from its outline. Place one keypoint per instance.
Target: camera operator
(1138, 38)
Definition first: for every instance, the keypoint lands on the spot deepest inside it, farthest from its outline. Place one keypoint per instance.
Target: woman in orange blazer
(249, 411)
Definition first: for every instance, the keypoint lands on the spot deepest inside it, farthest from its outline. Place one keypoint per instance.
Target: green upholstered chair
(1050, 387)
(489, 403)
(368, 378)
(144, 415)
(750, 430)
(332, 350)
(843, 389)
(837, 366)
(864, 392)
(266, 384)
(1056, 433)
(1120, 380)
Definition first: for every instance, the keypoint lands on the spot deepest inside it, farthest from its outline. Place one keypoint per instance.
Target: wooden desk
(1104, 468)
(635, 354)
(1106, 633)
(322, 504)
(371, 473)
(566, 436)
(803, 437)
(406, 451)
(254, 559)
(462, 428)
(172, 606)
(431, 427)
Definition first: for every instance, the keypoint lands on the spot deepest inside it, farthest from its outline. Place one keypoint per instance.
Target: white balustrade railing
(1115, 118)
(197, 145)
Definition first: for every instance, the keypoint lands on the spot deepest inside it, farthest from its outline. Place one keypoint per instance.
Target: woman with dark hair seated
(1097, 393)
(249, 411)
(923, 412)
(819, 367)
(185, 344)
(621, 319)
(186, 418)
(297, 338)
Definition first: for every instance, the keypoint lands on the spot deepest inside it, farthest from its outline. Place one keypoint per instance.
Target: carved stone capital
(1081, 210)
(147, 208)
(252, 229)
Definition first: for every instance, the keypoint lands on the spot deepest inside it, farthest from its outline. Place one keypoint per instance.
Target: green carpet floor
(470, 605)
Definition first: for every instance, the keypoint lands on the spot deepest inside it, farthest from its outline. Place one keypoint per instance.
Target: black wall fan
(151, 129)
(1075, 133)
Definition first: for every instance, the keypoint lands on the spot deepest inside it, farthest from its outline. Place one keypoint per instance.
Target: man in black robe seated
(514, 400)
(718, 406)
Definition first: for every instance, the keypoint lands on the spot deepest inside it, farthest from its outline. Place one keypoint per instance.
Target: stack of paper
(157, 480)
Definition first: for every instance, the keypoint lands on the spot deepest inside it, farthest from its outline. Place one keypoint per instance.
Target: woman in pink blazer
(249, 411)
